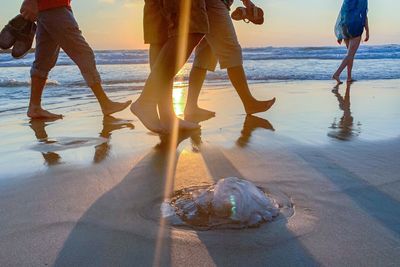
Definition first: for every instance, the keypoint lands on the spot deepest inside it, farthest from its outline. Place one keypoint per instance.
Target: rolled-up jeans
(57, 29)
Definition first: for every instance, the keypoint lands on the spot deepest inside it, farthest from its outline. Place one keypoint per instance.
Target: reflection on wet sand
(110, 124)
(251, 124)
(39, 127)
(344, 129)
(165, 140)
(48, 146)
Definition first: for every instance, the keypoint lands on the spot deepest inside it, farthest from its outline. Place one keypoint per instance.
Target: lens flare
(184, 16)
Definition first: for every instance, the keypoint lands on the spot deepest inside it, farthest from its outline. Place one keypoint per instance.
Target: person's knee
(197, 71)
(40, 74)
(40, 71)
(351, 53)
(86, 62)
(83, 57)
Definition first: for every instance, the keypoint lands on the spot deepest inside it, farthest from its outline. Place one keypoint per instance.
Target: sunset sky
(117, 24)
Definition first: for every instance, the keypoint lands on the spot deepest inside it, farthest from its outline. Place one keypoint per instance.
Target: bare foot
(182, 125)
(260, 106)
(337, 79)
(198, 114)
(113, 107)
(196, 111)
(39, 113)
(147, 114)
(351, 81)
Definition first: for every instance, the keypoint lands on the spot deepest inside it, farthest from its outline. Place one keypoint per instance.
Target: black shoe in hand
(24, 40)
(9, 32)
(19, 33)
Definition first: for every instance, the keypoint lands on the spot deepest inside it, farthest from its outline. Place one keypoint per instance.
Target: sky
(117, 24)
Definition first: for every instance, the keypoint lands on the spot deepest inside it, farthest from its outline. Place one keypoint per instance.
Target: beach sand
(86, 191)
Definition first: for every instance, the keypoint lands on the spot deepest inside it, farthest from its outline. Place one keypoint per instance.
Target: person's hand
(366, 36)
(29, 10)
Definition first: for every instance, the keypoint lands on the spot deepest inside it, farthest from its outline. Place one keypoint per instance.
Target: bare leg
(167, 104)
(108, 107)
(239, 81)
(352, 47)
(343, 65)
(196, 80)
(158, 89)
(352, 50)
(35, 110)
(145, 108)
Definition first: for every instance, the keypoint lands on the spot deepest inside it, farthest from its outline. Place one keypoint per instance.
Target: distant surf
(129, 68)
(122, 57)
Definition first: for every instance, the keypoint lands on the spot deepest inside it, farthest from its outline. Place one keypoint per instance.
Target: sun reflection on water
(179, 94)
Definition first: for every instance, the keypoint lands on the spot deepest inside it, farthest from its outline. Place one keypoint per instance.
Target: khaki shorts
(221, 43)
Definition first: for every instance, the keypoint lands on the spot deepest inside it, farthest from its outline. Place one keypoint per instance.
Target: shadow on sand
(262, 246)
(122, 228)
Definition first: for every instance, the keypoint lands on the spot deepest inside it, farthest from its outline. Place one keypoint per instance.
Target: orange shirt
(49, 4)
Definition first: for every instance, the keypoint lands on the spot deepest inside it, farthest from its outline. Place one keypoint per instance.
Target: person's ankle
(146, 101)
(167, 116)
(105, 104)
(250, 102)
(34, 107)
(190, 108)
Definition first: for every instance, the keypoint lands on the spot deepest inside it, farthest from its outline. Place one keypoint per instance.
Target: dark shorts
(154, 23)
(162, 18)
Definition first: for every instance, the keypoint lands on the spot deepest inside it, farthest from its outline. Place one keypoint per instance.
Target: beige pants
(221, 43)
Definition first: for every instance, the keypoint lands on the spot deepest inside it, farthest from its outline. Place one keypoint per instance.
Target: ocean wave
(321, 53)
(15, 83)
(217, 77)
(115, 82)
(134, 57)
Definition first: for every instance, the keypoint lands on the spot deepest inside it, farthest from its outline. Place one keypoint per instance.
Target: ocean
(127, 70)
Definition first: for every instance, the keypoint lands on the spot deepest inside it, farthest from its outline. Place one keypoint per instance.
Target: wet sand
(86, 191)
